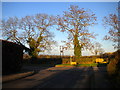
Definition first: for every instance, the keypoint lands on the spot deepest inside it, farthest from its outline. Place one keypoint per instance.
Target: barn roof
(10, 43)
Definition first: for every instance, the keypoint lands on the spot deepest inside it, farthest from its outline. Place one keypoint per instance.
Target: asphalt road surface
(64, 77)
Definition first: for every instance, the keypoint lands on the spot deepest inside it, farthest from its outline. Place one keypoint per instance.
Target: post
(61, 51)
(70, 59)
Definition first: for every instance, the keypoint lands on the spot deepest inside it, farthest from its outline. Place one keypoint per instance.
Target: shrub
(86, 60)
(40, 61)
(112, 67)
(82, 60)
(65, 60)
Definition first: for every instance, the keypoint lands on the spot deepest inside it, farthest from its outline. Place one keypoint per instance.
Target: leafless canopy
(111, 22)
(33, 31)
(76, 22)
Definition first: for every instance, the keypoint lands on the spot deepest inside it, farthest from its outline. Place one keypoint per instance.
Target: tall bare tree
(76, 22)
(30, 30)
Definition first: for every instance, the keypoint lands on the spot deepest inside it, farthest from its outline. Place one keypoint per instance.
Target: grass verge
(93, 64)
(78, 65)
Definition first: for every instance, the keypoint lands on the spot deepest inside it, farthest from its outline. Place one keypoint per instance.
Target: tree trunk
(77, 47)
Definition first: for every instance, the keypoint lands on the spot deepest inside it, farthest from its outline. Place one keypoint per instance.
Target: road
(63, 77)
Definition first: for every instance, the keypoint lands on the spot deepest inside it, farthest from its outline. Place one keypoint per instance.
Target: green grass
(94, 64)
(64, 65)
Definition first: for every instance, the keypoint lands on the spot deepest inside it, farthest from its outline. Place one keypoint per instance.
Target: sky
(60, 0)
(101, 9)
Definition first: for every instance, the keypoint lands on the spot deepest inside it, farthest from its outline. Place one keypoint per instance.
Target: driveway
(64, 77)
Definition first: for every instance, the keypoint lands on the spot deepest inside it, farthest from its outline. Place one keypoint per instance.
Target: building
(12, 56)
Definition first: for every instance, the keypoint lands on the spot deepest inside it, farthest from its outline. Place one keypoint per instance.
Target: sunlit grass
(64, 65)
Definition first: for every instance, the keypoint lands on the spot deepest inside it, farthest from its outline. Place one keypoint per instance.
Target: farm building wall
(12, 55)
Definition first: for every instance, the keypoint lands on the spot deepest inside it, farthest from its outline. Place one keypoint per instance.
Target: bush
(66, 61)
(86, 60)
(82, 60)
(43, 61)
(112, 67)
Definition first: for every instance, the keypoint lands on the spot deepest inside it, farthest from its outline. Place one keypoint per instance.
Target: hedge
(82, 60)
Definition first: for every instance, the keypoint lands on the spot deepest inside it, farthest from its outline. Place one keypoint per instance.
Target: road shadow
(101, 79)
(76, 77)
(65, 77)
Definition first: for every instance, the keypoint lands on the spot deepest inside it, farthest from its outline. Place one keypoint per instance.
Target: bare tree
(97, 48)
(10, 29)
(111, 23)
(76, 22)
(30, 30)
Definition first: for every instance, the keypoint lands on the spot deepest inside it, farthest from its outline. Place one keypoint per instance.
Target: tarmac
(97, 79)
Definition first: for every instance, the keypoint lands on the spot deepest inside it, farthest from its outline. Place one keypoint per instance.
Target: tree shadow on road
(101, 77)
(77, 77)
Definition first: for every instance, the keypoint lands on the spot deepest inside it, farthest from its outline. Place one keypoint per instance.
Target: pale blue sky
(101, 9)
(60, 0)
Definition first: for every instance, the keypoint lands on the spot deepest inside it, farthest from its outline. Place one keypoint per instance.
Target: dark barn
(12, 55)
